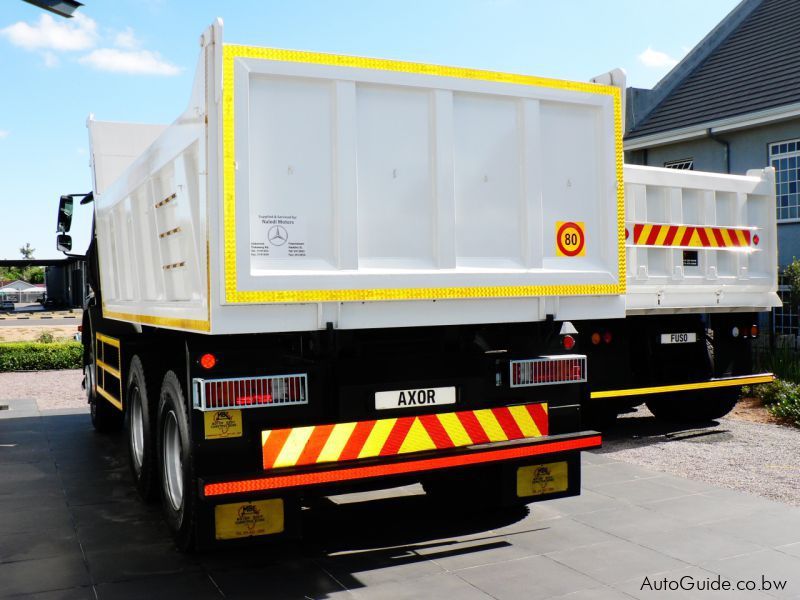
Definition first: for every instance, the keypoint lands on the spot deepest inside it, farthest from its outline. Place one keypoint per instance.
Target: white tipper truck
(334, 273)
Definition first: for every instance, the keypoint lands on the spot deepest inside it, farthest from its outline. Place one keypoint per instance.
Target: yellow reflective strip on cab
(524, 421)
(377, 438)
(712, 239)
(336, 442)
(742, 239)
(417, 439)
(293, 447)
(490, 425)
(454, 428)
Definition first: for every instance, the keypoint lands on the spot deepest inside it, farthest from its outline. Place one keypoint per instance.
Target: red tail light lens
(754, 331)
(568, 342)
(246, 392)
(208, 361)
(548, 370)
(607, 337)
(756, 239)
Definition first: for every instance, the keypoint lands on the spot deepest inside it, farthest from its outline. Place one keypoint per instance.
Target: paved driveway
(71, 527)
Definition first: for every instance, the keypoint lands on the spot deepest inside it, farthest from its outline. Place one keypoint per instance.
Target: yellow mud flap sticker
(221, 424)
(537, 480)
(247, 519)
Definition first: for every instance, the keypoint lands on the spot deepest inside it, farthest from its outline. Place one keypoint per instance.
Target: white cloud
(656, 59)
(4, 133)
(139, 62)
(127, 40)
(79, 33)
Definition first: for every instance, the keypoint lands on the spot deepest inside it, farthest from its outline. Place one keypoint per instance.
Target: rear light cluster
(548, 370)
(605, 337)
(250, 392)
(744, 332)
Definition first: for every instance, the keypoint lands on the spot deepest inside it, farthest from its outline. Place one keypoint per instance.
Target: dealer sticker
(537, 480)
(248, 519)
(220, 424)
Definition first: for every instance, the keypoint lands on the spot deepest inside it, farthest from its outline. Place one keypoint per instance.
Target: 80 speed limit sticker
(570, 238)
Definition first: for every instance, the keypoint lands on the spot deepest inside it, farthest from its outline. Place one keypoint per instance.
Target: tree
(26, 251)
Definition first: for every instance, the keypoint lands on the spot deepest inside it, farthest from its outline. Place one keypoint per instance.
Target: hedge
(35, 356)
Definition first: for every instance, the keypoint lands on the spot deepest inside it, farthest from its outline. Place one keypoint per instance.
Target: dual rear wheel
(159, 453)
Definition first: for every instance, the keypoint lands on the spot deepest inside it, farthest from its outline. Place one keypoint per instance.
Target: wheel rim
(137, 428)
(88, 374)
(173, 467)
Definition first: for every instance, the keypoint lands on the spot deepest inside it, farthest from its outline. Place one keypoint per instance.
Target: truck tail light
(607, 337)
(208, 361)
(754, 331)
(548, 370)
(568, 342)
(250, 392)
(596, 338)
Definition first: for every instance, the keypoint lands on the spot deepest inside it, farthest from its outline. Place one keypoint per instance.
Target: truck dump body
(323, 186)
(700, 242)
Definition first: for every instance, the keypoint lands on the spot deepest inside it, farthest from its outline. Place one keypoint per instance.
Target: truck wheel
(693, 407)
(175, 463)
(139, 429)
(105, 418)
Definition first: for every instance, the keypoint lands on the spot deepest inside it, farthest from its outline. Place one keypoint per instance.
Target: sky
(134, 60)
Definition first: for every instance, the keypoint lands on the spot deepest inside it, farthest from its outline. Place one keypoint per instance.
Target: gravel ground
(50, 389)
(759, 458)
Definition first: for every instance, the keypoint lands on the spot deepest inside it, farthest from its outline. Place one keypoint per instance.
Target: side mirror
(64, 242)
(64, 214)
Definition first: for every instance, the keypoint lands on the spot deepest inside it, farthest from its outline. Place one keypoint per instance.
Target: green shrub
(46, 337)
(782, 399)
(788, 408)
(775, 392)
(784, 362)
(35, 356)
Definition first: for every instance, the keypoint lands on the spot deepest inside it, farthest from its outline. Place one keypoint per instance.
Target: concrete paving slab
(766, 568)
(616, 561)
(532, 578)
(43, 574)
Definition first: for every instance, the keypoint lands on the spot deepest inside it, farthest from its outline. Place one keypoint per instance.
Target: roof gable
(753, 68)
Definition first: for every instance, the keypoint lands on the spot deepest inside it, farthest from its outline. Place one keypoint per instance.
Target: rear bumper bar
(472, 455)
(683, 387)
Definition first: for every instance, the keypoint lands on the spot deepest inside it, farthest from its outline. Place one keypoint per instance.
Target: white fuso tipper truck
(334, 273)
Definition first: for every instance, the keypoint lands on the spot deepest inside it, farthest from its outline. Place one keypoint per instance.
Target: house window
(785, 317)
(686, 164)
(785, 157)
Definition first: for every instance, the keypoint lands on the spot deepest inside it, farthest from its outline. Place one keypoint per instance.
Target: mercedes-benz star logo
(277, 235)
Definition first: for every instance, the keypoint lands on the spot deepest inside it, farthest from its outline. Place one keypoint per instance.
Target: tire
(695, 407)
(105, 417)
(139, 428)
(175, 463)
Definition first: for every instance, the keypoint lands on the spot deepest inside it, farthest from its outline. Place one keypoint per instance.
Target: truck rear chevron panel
(317, 444)
(690, 236)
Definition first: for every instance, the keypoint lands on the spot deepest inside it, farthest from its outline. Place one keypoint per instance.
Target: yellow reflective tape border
(234, 295)
(702, 385)
(190, 324)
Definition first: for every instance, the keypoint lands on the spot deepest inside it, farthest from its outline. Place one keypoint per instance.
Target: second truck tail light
(250, 392)
(547, 370)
